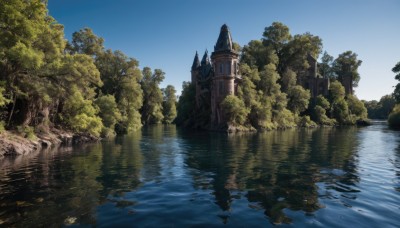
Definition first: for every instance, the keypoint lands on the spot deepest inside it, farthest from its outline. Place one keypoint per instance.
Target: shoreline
(13, 144)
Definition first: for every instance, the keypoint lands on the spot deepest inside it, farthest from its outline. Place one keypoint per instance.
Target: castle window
(235, 68)
(228, 68)
(221, 66)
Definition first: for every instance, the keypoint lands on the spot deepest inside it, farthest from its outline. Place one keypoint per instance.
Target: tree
(152, 100)
(394, 117)
(234, 110)
(295, 53)
(80, 114)
(277, 35)
(357, 108)
(169, 104)
(336, 91)
(121, 76)
(298, 99)
(86, 42)
(325, 67)
(256, 54)
(396, 93)
(109, 114)
(346, 65)
(288, 80)
(31, 45)
(186, 105)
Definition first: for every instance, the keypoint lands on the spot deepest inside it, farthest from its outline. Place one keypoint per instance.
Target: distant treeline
(380, 109)
(270, 95)
(46, 81)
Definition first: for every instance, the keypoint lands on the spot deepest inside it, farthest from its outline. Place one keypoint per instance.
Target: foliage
(394, 117)
(336, 91)
(234, 110)
(325, 67)
(109, 114)
(298, 99)
(81, 115)
(356, 107)
(305, 121)
(86, 42)
(151, 110)
(186, 105)
(396, 92)
(26, 132)
(169, 104)
(346, 65)
(380, 109)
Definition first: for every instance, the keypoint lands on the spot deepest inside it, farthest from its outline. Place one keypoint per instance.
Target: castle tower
(225, 64)
(195, 68)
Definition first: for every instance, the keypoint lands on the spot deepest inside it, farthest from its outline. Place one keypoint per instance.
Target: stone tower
(225, 65)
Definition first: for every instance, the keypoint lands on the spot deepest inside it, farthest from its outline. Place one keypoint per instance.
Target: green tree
(256, 54)
(186, 105)
(169, 104)
(325, 67)
(80, 114)
(298, 99)
(288, 80)
(152, 100)
(357, 108)
(109, 114)
(346, 65)
(121, 76)
(394, 117)
(277, 36)
(295, 53)
(396, 93)
(234, 110)
(86, 42)
(31, 45)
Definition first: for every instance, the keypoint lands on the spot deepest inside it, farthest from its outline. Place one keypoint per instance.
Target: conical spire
(205, 60)
(196, 62)
(224, 42)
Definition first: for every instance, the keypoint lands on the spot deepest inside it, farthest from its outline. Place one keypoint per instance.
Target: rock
(70, 220)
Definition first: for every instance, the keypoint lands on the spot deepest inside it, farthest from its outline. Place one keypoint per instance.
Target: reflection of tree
(61, 185)
(277, 169)
(121, 165)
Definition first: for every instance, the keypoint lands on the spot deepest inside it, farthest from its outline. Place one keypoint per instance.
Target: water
(169, 177)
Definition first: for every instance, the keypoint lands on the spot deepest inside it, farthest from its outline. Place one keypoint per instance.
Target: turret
(195, 68)
(225, 62)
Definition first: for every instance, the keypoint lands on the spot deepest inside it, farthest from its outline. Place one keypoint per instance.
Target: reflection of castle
(217, 78)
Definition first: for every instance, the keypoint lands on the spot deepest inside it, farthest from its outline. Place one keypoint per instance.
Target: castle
(218, 77)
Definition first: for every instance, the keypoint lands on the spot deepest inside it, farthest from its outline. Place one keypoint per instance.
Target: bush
(26, 132)
(394, 117)
(234, 110)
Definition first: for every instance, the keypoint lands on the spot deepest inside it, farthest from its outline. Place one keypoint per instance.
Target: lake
(163, 176)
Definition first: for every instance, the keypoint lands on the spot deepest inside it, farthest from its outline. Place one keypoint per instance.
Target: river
(163, 176)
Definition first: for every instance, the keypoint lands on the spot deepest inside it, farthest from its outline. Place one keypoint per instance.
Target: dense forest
(394, 116)
(47, 82)
(269, 95)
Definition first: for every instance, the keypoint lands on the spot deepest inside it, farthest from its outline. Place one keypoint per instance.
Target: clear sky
(166, 33)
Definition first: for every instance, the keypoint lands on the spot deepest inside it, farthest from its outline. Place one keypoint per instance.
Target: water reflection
(277, 170)
(153, 176)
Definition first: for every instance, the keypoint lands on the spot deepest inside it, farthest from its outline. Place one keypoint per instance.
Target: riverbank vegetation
(270, 95)
(80, 86)
(394, 117)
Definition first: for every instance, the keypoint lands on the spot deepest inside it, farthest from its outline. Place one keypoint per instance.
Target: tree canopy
(47, 82)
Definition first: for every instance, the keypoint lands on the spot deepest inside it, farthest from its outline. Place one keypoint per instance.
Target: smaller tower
(195, 68)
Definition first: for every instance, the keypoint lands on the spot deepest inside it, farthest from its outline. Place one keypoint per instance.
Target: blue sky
(166, 33)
